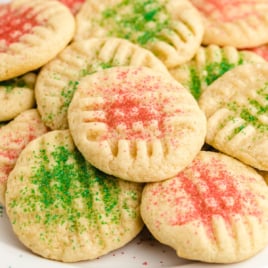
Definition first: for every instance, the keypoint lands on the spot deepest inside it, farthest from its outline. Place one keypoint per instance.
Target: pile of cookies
(122, 114)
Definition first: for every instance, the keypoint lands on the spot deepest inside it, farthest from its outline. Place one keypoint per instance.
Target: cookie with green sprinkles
(136, 123)
(208, 64)
(16, 96)
(236, 106)
(14, 136)
(171, 29)
(58, 80)
(31, 34)
(62, 208)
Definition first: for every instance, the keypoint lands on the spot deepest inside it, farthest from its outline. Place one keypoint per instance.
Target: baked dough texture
(31, 34)
(136, 123)
(215, 210)
(171, 29)
(62, 208)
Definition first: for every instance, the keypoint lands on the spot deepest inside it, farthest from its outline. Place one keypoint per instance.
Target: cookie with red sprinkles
(261, 51)
(237, 23)
(14, 136)
(215, 210)
(136, 123)
(63, 208)
(31, 34)
(57, 81)
(73, 5)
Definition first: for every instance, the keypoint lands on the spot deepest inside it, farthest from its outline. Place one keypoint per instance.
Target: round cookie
(171, 29)
(16, 96)
(136, 123)
(14, 136)
(236, 109)
(58, 80)
(215, 210)
(237, 23)
(31, 34)
(62, 208)
(208, 64)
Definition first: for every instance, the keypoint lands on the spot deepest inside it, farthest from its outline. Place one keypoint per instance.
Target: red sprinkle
(134, 106)
(15, 23)
(128, 110)
(73, 5)
(8, 154)
(212, 192)
(228, 10)
(261, 51)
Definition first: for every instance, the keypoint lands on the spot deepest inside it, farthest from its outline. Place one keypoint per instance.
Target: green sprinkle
(263, 92)
(217, 69)
(248, 117)
(195, 84)
(138, 21)
(260, 109)
(209, 74)
(249, 113)
(93, 68)
(66, 188)
(68, 92)
(236, 131)
(9, 85)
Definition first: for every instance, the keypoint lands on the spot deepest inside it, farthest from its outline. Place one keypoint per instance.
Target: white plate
(144, 251)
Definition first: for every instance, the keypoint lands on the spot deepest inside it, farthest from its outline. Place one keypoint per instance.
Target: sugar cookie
(58, 80)
(14, 136)
(208, 64)
(237, 23)
(171, 29)
(31, 34)
(215, 210)
(62, 208)
(236, 108)
(136, 123)
(16, 96)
